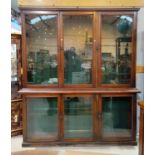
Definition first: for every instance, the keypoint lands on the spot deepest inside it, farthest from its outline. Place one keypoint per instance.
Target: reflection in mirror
(41, 35)
(78, 49)
(116, 49)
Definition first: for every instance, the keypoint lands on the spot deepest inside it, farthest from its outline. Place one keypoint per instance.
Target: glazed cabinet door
(117, 52)
(116, 117)
(42, 115)
(40, 49)
(77, 42)
(78, 121)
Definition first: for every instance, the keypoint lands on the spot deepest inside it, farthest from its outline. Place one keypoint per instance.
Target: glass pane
(42, 118)
(41, 45)
(15, 47)
(116, 49)
(78, 49)
(78, 117)
(116, 116)
(13, 62)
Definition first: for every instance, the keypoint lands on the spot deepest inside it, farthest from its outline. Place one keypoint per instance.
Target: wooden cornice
(79, 3)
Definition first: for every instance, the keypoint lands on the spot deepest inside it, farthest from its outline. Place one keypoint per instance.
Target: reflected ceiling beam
(44, 22)
(15, 13)
(28, 22)
(114, 21)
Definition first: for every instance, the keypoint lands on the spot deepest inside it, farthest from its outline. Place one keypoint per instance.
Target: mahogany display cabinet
(79, 76)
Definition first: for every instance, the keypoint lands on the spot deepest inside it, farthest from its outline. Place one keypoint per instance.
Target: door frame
(94, 121)
(24, 50)
(133, 48)
(133, 118)
(94, 57)
(25, 115)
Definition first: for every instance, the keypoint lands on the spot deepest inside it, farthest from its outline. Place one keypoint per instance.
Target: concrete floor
(16, 143)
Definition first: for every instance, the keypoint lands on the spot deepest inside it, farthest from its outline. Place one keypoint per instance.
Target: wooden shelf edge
(16, 100)
(15, 130)
(56, 143)
(77, 90)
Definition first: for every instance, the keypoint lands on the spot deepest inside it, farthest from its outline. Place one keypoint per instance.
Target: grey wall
(140, 53)
(140, 60)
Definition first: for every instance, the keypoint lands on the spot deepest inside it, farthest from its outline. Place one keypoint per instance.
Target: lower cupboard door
(116, 117)
(42, 118)
(78, 117)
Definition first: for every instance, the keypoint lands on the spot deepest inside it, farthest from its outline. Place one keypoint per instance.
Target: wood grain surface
(85, 3)
(35, 152)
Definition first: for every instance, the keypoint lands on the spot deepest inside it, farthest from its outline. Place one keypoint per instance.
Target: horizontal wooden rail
(77, 91)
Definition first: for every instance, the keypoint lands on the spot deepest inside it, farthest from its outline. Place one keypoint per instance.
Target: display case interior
(78, 49)
(116, 49)
(41, 38)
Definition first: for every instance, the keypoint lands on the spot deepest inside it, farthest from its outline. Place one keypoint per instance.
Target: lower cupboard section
(71, 119)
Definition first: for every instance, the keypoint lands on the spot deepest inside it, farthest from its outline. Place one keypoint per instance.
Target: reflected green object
(73, 64)
(74, 73)
(118, 69)
(42, 68)
(42, 71)
(124, 26)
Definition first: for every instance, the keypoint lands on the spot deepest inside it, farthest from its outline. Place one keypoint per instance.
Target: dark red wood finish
(96, 89)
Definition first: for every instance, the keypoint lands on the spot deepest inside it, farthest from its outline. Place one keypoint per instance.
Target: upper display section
(116, 49)
(41, 46)
(79, 49)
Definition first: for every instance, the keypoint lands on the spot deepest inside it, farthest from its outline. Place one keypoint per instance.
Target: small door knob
(99, 115)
